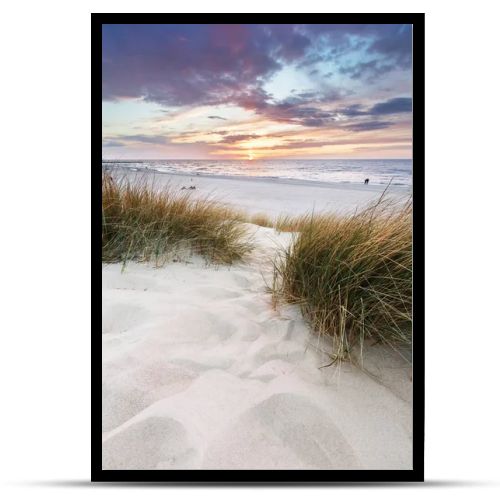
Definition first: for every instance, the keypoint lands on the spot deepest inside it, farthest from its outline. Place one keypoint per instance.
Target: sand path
(199, 371)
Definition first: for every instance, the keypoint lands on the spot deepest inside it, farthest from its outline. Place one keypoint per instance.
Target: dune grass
(261, 219)
(145, 223)
(351, 276)
(290, 223)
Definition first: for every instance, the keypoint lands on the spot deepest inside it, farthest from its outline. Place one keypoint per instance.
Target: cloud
(352, 110)
(188, 66)
(391, 43)
(231, 139)
(366, 126)
(178, 65)
(350, 140)
(391, 147)
(308, 116)
(304, 144)
(120, 140)
(289, 43)
(301, 108)
(215, 132)
(112, 144)
(370, 70)
(395, 42)
(181, 65)
(392, 106)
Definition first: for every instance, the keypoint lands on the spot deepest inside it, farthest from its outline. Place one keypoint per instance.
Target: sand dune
(199, 371)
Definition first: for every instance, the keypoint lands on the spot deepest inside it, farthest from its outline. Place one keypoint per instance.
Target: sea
(381, 172)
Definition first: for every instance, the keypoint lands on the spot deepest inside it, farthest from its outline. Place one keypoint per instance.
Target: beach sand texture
(199, 371)
(274, 196)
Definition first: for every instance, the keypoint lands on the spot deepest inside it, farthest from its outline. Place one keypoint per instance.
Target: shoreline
(275, 196)
(278, 180)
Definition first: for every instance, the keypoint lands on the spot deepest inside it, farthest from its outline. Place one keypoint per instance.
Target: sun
(250, 156)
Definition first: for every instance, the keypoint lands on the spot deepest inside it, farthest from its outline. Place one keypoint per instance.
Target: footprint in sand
(128, 391)
(283, 431)
(156, 442)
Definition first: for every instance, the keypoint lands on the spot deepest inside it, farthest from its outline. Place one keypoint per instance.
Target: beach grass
(261, 219)
(290, 223)
(350, 275)
(143, 222)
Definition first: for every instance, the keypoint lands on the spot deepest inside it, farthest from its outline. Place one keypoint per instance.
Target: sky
(209, 91)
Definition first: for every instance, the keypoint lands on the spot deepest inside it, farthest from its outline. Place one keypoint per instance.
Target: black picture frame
(260, 477)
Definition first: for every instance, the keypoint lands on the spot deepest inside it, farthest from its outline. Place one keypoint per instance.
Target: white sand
(277, 196)
(200, 372)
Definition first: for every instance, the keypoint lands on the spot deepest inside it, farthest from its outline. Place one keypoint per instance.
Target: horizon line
(244, 159)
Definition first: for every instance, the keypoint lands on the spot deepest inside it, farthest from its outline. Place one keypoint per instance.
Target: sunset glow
(256, 91)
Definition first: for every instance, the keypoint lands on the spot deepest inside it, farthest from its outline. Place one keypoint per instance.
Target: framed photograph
(261, 210)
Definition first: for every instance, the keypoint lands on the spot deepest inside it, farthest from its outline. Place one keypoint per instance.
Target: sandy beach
(275, 196)
(200, 371)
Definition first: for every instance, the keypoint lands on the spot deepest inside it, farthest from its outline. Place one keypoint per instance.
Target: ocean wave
(344, 171)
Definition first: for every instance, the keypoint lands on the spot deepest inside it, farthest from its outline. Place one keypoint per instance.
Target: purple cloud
(188, 64)
(176, 65)
(208, 64)
(393, 106)
(366, 126)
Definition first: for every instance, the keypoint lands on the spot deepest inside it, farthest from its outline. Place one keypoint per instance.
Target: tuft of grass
(351, 275)
(289, 223)
(142, 222)
(261, 219)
